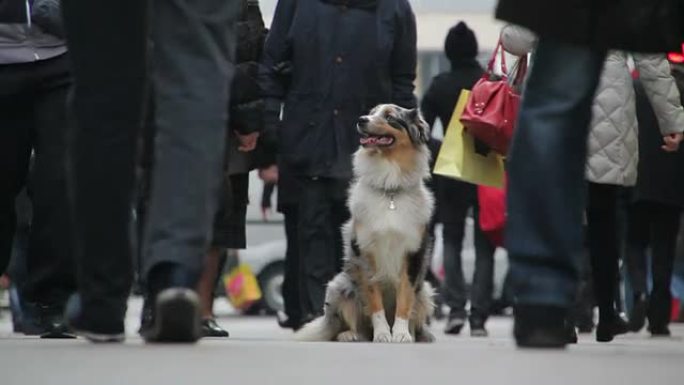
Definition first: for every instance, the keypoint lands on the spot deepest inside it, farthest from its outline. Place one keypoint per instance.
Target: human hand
(247, 142)
(269, 174)
(672, 142)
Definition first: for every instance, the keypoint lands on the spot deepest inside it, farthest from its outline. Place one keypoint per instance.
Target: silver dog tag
(392, 205)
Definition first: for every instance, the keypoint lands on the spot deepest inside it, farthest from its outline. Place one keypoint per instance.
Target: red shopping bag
(492, 203)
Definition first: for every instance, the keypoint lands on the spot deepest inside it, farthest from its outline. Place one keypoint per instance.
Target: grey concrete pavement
(258, 352)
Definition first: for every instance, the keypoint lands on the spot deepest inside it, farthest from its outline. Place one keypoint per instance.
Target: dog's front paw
(348, 336)
(400, 331)
(383, 336)
(403, 337)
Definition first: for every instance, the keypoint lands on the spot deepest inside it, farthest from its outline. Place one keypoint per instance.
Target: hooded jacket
(328, 62)
(21, 39)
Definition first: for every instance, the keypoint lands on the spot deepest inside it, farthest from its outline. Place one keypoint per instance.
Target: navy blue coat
(330, 64)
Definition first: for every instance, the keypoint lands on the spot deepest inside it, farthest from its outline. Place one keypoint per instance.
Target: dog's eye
(388, 115)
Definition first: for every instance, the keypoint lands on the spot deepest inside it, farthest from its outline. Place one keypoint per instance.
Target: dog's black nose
(363, 120)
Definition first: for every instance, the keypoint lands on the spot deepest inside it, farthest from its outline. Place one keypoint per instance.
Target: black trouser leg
(455, 295)
(16, 123)
(292, 284)
(665, 226)
(107, 104)
(483, 277)
(50, 259)
(320, 245)
(638, 238)
(603, 244)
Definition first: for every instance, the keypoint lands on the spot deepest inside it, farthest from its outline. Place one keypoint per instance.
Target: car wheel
(271, 283)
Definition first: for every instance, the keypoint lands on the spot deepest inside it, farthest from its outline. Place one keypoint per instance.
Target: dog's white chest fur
(390, 225)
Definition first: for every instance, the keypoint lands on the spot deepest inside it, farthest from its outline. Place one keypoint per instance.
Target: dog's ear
(419, 127)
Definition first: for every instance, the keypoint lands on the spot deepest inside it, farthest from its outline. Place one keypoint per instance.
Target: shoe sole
(177, 317)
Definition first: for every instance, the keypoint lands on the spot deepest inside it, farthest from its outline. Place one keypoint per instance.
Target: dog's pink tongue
(369, 140)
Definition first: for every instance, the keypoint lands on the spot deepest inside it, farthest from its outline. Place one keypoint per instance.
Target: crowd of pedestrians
(106, 112)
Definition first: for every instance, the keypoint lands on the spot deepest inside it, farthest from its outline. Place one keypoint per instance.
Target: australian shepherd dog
(381, 294)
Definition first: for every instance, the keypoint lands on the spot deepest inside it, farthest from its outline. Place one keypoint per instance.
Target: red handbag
(491, 112)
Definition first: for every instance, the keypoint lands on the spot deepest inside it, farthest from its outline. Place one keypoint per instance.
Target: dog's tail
(323, 328)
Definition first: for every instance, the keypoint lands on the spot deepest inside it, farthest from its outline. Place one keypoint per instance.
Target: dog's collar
(391, 194)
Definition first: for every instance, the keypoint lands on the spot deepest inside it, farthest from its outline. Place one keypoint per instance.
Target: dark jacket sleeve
(404, 58)
(276, 56)
(429, 105)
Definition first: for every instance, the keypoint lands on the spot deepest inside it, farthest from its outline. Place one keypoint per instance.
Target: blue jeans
(546, 197)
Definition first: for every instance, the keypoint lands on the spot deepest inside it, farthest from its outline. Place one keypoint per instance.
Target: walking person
(455, 199)
(544, 232)
(613, 155)
(329, 62)
(35, 79)
(192, 71)
(654, 215)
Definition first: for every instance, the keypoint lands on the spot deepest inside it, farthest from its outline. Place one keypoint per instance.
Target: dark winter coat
(246, 103)
(660, 174)
(329, 63)
(439, 102)
(632, 25)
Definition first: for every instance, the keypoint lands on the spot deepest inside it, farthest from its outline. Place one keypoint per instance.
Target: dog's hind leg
(350, 312)
(423, 308)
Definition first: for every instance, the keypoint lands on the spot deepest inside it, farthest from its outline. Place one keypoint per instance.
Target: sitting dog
(381, 295)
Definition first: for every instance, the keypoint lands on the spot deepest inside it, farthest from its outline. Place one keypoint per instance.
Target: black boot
(540, 326)
(210, 328)
(609, 326)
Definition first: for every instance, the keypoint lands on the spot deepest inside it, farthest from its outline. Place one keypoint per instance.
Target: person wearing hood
(455, 198)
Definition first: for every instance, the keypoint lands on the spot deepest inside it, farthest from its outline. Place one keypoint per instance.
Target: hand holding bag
(492, 109)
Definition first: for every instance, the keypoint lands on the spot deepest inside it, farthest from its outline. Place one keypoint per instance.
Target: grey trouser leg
(193, 56)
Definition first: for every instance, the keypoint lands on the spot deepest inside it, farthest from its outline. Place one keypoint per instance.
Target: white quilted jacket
(613, 145)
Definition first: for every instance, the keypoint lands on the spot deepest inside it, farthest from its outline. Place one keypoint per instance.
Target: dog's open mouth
(377, 140)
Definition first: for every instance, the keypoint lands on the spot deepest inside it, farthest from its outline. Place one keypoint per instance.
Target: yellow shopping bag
(457, 157)
(242, 287)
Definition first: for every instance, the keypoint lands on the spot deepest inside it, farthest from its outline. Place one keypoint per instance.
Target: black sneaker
(210, 328)
(52, 322)
(454, 324)
(104, 330)
(174, 316)
(477, 328)
(540, 326)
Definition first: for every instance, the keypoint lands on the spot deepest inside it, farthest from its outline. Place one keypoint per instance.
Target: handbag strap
(490, 67)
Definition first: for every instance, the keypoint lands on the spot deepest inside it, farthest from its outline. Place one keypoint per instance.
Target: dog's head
(393, 147)
(389, 127)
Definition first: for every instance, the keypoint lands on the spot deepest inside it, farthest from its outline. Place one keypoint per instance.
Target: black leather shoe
(607, 329)
(659, 331)
(637, 319)
(286, 322)
(540, 327)
(210, 328)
